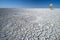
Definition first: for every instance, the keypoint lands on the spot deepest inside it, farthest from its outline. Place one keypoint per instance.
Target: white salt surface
(30, 24)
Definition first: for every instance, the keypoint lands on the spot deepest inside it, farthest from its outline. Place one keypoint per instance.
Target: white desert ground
(29, 24)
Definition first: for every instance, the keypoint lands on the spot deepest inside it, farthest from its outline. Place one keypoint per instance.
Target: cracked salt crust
(31, 24)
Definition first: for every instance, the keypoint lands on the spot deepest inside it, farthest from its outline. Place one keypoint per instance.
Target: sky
(29, 3)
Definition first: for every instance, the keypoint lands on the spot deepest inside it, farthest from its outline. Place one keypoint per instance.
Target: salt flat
(29, 24)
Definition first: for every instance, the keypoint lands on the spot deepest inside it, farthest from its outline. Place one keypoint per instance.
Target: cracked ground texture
(29, 24)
